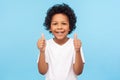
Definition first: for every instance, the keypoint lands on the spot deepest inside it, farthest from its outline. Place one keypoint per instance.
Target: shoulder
(70, 40)
(49, 41)
(69, 43)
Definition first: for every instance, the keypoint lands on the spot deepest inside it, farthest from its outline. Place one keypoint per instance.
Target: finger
(75, 36)
(42, 37)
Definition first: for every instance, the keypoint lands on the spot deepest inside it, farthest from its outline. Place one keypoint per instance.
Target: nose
(59, 26)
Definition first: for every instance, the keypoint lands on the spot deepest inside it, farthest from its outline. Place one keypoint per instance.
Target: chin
(60, 38)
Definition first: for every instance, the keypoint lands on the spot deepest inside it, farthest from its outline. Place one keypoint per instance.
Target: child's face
(60, 26)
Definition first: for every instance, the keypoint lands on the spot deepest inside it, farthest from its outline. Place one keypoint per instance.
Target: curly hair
(64, 9)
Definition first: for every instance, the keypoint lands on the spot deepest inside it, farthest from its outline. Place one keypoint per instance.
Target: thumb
(42, 37)
(75, 36)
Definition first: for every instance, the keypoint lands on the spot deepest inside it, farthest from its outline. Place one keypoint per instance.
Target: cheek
(52, 29)
(67, 30)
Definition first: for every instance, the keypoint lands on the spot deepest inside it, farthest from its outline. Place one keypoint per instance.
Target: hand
(41, 43)
(77, 43)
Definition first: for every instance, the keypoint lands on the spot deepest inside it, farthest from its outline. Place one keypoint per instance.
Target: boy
(61, 58)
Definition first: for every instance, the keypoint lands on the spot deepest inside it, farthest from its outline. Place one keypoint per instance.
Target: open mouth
(60, 32)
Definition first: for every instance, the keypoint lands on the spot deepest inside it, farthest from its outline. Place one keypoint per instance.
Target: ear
(69, 29)
(50, 30)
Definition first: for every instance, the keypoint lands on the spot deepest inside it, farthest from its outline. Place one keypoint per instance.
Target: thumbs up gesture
(77, 43)
(41, 43)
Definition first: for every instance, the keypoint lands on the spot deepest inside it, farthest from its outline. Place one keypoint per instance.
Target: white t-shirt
(60, 59)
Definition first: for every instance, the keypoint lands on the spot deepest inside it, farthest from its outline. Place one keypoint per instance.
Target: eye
(64, 23)
(54, 23)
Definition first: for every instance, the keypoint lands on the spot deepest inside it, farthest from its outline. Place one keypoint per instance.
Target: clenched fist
(41, 43)
(77, 43)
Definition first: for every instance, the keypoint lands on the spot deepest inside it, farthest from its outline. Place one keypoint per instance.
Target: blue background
(21, 25)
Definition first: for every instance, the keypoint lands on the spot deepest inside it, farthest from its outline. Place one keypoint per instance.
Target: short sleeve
(82, 56)
(46, 55)
(38, 58)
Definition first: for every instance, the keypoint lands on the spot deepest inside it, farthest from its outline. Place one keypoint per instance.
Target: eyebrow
(56, 21)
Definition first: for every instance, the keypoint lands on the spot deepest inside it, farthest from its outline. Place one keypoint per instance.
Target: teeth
(59, 32)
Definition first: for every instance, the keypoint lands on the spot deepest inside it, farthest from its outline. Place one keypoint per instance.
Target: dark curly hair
(64, 9)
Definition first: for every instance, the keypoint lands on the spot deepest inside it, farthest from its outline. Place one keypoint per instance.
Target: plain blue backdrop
(21, 25)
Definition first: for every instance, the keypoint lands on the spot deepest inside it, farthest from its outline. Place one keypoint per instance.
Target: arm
(42, 65)
(78, 65)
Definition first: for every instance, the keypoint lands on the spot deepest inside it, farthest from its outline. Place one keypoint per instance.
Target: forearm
(78, 65)
(42, 65)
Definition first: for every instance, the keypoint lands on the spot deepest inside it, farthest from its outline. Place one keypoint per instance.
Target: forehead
(59, 17)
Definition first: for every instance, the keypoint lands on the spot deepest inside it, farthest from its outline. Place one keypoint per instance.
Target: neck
(61, 41)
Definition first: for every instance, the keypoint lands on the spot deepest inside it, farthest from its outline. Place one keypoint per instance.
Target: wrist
(77, 51)
(42, 51)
